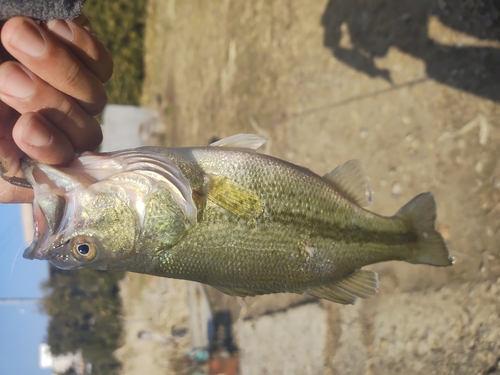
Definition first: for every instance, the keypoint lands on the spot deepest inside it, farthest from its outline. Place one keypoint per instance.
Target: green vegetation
(85, 311)
(119, 24)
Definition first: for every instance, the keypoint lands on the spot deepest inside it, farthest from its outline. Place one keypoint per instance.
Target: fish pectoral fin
(233, 197)
(239, 292)
(245, 141)
(350, 179)
(361, 283)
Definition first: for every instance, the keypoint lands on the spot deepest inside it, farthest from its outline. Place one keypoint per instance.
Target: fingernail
(36, 134)
(17, 83)
(28, 39)
(61, 28)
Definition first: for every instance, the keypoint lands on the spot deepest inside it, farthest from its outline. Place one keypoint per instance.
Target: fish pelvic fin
(420, 214)
(360, 283)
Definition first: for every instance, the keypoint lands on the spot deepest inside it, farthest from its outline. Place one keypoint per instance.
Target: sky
(22, 325)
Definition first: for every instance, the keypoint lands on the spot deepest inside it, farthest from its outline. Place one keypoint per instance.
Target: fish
(228, 216)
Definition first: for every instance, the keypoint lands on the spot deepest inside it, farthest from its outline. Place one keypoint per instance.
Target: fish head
(100, 210)
(79, 218)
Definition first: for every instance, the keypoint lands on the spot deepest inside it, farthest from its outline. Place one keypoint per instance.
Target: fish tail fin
(420, 214)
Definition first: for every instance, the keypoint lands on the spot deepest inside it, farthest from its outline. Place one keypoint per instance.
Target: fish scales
(227, 216)
(299, 209)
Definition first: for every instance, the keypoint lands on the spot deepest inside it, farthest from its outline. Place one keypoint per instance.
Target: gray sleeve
(41, 9)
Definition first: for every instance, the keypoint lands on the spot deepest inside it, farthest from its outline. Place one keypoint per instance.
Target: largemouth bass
(227, 216)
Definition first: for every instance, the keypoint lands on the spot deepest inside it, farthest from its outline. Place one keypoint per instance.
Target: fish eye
(84, 251)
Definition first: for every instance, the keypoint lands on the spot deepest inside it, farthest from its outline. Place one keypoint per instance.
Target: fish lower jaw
(30, 252)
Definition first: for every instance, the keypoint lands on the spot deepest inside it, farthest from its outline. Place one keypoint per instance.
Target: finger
(50, 60)
(84, 21)
(25, 92)
(85, 45)
(4, 56)
(8, 117)
(41, 140)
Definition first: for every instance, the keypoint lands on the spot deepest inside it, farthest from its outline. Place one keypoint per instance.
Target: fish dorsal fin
(245, 141)
(350, 179)
(233, 197)
(361, 283)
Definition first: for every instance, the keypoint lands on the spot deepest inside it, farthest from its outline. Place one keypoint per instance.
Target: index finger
(43, 54)
(85, 45)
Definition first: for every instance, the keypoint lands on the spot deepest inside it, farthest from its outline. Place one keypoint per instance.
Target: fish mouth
(48, 207)
(35, 250)
(30, 252)
(45, 237)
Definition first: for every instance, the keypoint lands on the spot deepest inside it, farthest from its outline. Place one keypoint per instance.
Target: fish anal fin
(333, 293)
(361, 283)
(350, 179)
(239, 292)
(245, 141)
(233, 197)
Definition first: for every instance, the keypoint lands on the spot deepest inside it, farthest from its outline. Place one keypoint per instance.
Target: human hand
(51, 86)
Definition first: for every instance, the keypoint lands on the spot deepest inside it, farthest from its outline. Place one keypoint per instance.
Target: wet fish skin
(259, 225)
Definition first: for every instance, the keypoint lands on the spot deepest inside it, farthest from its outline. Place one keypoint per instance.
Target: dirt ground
(411, 89)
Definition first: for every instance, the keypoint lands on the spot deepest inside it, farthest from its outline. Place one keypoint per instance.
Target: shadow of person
(223, 338)
(375, 26)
